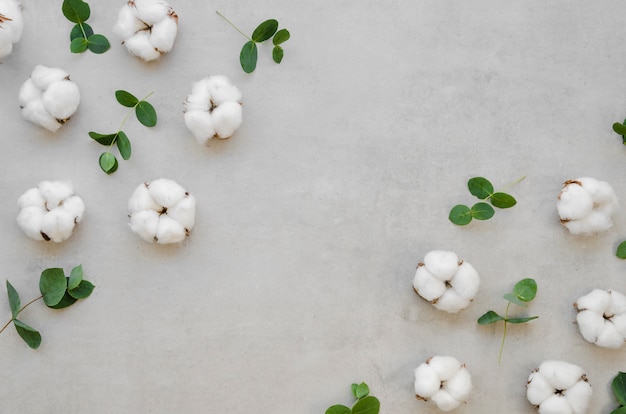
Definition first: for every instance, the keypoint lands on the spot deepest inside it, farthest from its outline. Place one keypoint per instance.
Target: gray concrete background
(296, 280)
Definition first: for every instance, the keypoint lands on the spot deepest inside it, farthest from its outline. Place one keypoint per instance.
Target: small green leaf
(353, 387)
(82, 291)
(123, 144)
(619, 128)
(265, 30)
(489, 317)
(98, 44)
(619, 387)
(65, 301)
(281, 36)
(76, 276)
(362, 390)
(108, 162)
(367, 405)
(503, 200)
(521, 320)
(621, 250)
(511, 297)
(77, 33)
(480, 187)
(248, 57)
(104, 139)
(525, 289)
(76, 11)
(14, 300)
(277, 54)
(28, 334)
(338, 409)
(146, 114)
(126, 98)
(52, 285)
(620, 410)
(78, 45)
(482, 211)
(460, 215)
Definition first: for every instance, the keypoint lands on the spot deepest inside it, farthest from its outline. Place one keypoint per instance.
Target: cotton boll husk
(538, 389)
(579, 396)
(590, 324)
(441, 264)
(460, 386)
(32, 198)
(127, 23)
(184, 212)
(466, 281)
(597, 301)
(451, 302)
(54, 192)
(75, 207)
(61, 99)
(58, 225)
(29, 219)
(201, 125)
(574, 202)
(29, 92)
(44, 76)
(227, 118)
(426, 285)
(141, 199)
(222, 89)
(618, 303)
(609, 337)
(427, 382)
(560, 374)
(445, 366)
(151, 11)
(163, 34)
(169, 230)
(555, 404)
(444, 400)
(35, 112)
(139, 45)
(595, 222)
(166, 192)
(145, 223)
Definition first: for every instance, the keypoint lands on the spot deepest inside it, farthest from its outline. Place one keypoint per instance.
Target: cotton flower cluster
(49, 98)
(444, 380)
(445, 281)
(558, 387)
(147, 28)
(162, 211)
(50, 211)
(11, 26)
(601, 317)
(585, 205)
(213, 109)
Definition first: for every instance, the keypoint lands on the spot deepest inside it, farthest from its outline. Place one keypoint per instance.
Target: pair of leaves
(82, 36)
(365, 403)
(30, 335)
(249, 54)
(523, 292)
(146, 115)
(619, 389)
(620, 129)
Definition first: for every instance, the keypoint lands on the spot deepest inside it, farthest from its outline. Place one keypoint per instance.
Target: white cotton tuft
(145, 223)
(166, 192)
(141, 199)
(222, 90)
(32, 198)
(151, 11)
(451, 302)
(227, 118)
(538, 389)
(555, 404)
(61, 99)
(184, 212)
(29, 219)
(585, 206)
(54, 192)
(601, 318)
(29, 92)
(441, 264)
(11, 25)
(466, 281)
(559, 374)
(139, 45)
(201, 125)
(444, 380)
(58, 225)
(127, 23)
(427, 286)
(574, 203)
(169, 231)
(445, 401)
(44, 76)
(163, 35)
(427, 382)
(460, 385)
(558, 387)
(35, 112)
(578, 397)
(444, 366)
(597, 301)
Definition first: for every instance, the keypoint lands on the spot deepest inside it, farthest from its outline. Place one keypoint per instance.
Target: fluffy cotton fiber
(444, 380)
(213, 109)
(147, 28)
(49, 98)
(11, 25)
(601, 317)
(445, 281)
(585, 205)
(162, 211)
(558, 387)
(50, 211)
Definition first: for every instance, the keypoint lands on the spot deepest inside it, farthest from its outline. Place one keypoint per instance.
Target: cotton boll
(560, 374)
(426, 285)
(29, 219)
(427, 382)
(139, 45)
(57, 225)
(32, 198)
(574, 202)
(169, 230)
(151, 11)
(445, 366)
(444, 400)
(54, 192)
(166, 192)
(451, 302)
(35, 112)
(44, 76)
(460, 385)
(597, 301)
(538, 389)
(227, 119)
(441, 264)
(466, 281)
(559, 387)
(184, 212)
(145, 223)
(127, 23)
(141, 199)
(555, 404)
(163, 34)
(61, 99)
(201, 125)
(579, 396)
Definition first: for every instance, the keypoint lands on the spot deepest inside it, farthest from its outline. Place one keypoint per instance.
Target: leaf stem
(82, 29)
(233, 25)
(18, 312)
(506, 318)
(511, 184)
(130, 111)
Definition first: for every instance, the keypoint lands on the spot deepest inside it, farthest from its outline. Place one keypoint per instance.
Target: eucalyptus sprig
(523, 292)
(249, 54)
(57, 292)
(365, 403)
(619, 389)
(146, 114)
(483, 190)
(82, 36)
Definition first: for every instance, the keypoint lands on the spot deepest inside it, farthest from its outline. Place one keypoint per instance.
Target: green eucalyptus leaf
(619, 128)
(123, 144)
(460, 215)
(248, 57)
(76, 11)
(512, 297)
(338, 409)
(353, 387)
(362, 390)
(525, 289)
(480, 187)
(14, 300)
(619, 387)
(77, 32)
(104, 139)
(503, 200)
(126, 98)
(65, 301)
(108, 162)
(489, 317)
(277, 54)
(146, 114)
(265, 30)
(78, 45)
(28, 334)
(366, 405)
(83, 290)
(98, 44)
(620, 410)
(76, 276)
(621, 250)
(521, 320)
(482, 211)
(281, 36)
(52, 285)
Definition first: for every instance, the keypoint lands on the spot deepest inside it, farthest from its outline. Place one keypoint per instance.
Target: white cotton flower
(11, 25)
(444, 380)
(213, 109)
(147, 28)
(601, 318)
(48, 98)
(162, 211)
(50, 211)
(445, 281)
(585, 205)
(558, 387)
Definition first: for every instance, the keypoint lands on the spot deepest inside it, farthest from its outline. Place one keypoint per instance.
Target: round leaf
(126, 98)
(77, 33)
(525, 289)
(146, 114)
(353, 387)
(78, 45)
(248, 57)
(362, 390)
(367, 405)
(265, 30)
(76, 276)
(619, 128)
(521, 320)
(621, 250)
(66, 301)
(482, 211)
(108, 162)
(460, 215)
(277, 54)
(511, 297)
(338, 409)
(619, 387)
(28, 334)
(76, 11)
(14, 300)
(281, 36)
(489, 317)
(503, 200)
(480, 187)
(83, 290)
(52, 285)
(98, 44)
(123, 144)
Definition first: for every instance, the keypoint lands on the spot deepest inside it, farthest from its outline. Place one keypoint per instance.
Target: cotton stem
(511, 184)
(233, 25)
(506, 318)
(19, 311)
